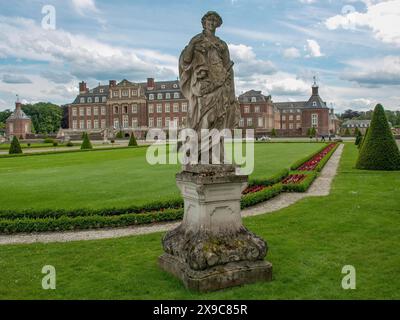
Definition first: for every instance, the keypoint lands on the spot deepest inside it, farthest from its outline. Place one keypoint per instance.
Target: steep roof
(248, 95)
(290, 105)
(18, 114)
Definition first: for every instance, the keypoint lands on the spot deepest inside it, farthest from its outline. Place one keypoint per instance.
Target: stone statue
(211, 249)
(207, 80)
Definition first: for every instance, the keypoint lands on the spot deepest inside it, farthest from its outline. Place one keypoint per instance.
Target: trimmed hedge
(58, 213)
(87, 222)
(86, 144)
(271, 180)
(65, 151)
(251, 199)
(132, 141)
(379, 150)
(300, 162)
(303, 185)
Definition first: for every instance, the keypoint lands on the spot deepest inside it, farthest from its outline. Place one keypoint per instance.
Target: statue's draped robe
(207, 81)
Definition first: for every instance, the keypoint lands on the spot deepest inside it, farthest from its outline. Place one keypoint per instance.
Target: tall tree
(46, 117)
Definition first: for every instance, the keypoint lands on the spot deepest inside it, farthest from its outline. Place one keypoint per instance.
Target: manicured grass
(112, 178)
(357, 224)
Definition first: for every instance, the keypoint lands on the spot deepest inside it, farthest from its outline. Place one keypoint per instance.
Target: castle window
(151, 96)
(81, 124)
(241, 123)
(104, 99)
(290, 125)
(314, 119)
(96, 99)
(74, 112)
(151, 108)
(314, 103)
(176, 107)
(159, 96)
(284, 118)
(175, 85)
(151, 122)
(159, 122)
(167, 122)
(89, 100)
(134, 92)
(260, 122)
(96, 124)
(103, 111)
(176, 95)
(298, 118)
(125, 93)
(81, 112)
(125, 109)
(116, 93)
(96, 111)
(246, 109)
(116, 123)
(101, 90)
(167, 95)
(134, 122)
(163, 86)
(88, 111)
(103, 123)
(184, 107)
(125, 121)
(82, 100)
(257, 109)
(74, 124)
(249, 122)
(253, 99)
(159, 108)
(116, 110)
(291, 118)
(167, 107)
(134, 108)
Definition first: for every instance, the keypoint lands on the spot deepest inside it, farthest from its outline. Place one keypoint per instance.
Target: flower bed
(294, 178)
(312, 164)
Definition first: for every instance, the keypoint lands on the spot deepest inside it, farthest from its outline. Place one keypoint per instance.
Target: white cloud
(313, 48)
(382, 18)
(84, 6)
(308, 1)
(291, 53)
(376, 72)
(85, 57)
(16, 79)
(246, 62)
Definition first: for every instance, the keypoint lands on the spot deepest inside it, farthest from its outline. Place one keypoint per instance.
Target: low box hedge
(300, 162)
(303, 185)
(252, 199)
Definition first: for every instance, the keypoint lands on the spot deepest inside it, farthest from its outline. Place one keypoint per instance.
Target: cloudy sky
(352, 47)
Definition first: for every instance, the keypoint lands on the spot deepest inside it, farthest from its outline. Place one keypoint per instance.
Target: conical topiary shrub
(379, 150)
(15, 147)
(359, 137)
(86, 142)
(132, 141)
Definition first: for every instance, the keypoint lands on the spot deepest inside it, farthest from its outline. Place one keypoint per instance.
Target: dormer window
(176, 95)
(167, 95)
(104, 99)
(101, 90)
(253, 99)
(163, 86)
(151, 96)
(96, 99)
(314, 103)
(82, 100)
(175, 85)
(89, 100)
(159, 96)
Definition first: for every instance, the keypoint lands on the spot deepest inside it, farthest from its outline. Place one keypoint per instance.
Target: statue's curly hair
(211, 13)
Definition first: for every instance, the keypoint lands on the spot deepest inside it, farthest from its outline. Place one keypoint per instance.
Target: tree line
(46, 117)
(392, 116)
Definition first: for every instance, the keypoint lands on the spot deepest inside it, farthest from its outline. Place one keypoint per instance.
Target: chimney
(113, 83)
(150, 83)
(82, 87)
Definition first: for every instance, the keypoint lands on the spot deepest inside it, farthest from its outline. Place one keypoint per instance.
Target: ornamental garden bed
(259, 190)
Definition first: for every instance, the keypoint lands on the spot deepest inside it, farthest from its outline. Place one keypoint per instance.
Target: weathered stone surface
(202, 250)
(219, 277)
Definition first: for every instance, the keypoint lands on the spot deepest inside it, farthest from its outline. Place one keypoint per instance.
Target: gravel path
(320, 187)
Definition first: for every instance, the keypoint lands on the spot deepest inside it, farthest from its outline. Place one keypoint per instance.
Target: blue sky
(353, 47)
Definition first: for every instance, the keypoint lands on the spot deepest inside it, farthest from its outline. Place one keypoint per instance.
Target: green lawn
(310, 242)
(113, 178)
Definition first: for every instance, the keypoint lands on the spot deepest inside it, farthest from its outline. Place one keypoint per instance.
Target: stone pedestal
(211, 249)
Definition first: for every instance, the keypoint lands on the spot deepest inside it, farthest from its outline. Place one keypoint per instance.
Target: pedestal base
(219, 277)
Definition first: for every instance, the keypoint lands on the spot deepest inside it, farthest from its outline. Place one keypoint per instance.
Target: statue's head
(211, 21)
